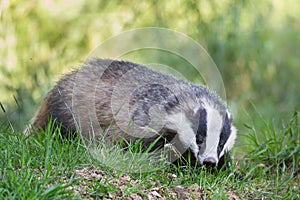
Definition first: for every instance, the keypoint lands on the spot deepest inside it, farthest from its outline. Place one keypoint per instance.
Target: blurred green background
(255, 45)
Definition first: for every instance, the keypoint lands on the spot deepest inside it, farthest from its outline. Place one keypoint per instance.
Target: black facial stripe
(225, 133)
(202, 126)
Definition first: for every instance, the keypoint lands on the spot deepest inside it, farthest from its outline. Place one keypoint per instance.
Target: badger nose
(210, 162)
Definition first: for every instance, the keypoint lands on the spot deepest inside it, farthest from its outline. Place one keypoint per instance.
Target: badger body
(129, 101)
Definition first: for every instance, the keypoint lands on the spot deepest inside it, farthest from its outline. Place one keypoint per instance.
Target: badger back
(111, 93)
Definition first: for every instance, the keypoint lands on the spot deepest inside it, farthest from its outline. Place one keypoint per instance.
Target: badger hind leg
(40, 119)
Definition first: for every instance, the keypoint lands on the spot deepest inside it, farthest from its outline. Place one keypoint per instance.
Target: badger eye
(199, 139)
(201, 145)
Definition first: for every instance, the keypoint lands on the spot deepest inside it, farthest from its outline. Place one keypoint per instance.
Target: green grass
(254, 45)
(251, 44)
(49, 167)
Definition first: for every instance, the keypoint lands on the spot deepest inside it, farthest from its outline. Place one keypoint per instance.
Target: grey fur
(113, 93)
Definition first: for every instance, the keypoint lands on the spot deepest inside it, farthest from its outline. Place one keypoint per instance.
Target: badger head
(207, 132)
(215, 135)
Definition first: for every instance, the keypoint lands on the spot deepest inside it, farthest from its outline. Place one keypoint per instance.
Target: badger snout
(210, 162)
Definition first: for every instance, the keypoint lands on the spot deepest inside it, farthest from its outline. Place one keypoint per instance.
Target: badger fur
(131, 101)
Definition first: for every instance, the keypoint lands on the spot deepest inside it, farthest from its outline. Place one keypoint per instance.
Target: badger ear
(229, 116)
(231, 139)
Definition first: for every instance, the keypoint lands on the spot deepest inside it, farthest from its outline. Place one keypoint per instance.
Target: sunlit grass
(48, 165)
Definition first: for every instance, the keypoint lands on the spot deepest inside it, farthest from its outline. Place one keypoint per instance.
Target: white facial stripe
(214, 127)
(230, 142)
(185, 132)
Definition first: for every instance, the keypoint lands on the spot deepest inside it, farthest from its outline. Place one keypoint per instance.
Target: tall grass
(46, 166)
(279, 149)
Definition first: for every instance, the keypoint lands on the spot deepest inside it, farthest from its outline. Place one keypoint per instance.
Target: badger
(132, 102)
